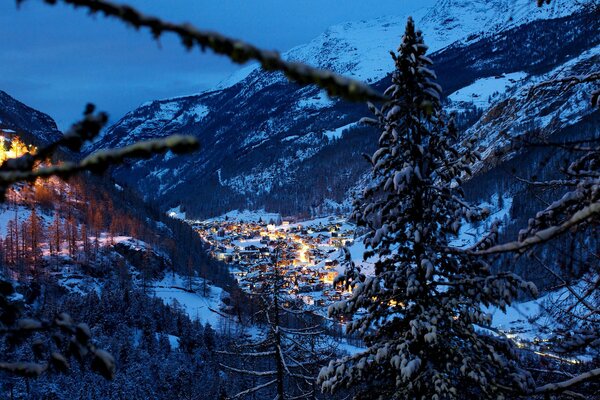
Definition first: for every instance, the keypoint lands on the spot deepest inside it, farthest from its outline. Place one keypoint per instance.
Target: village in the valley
(306, 253)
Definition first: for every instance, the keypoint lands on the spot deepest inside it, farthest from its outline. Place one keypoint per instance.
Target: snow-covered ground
(172, 289)
(499, 209)
(338, 132)
(357, 249)
(485, 90)
(248, 216)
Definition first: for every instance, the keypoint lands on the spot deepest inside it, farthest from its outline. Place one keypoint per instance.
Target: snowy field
(485, 90)
(172, 289)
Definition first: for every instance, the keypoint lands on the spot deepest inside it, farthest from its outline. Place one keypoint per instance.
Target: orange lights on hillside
(11, 146)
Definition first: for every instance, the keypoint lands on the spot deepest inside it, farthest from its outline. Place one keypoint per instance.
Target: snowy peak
(460, 18)
(356, 49)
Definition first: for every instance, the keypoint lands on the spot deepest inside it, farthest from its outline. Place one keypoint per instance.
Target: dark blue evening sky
(56, 59)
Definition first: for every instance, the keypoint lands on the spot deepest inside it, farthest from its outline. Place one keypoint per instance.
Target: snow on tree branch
(564, 385)
(418, 313)
(585, 214)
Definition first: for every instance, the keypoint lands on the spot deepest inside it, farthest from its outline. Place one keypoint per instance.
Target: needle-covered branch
(237, 50)
(84, 130)
(542, 236)
(564, 385)
(103, 159)
(69, 339)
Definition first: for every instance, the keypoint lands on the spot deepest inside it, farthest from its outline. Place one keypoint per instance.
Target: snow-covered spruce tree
(424, 303)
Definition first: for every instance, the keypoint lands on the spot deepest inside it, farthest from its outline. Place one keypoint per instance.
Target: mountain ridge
(262, 136)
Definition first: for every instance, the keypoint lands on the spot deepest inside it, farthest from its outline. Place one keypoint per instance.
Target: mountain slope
(33, 126)
(94, 207)
(269, 143)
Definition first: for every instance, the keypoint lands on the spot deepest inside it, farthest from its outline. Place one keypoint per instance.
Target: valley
(304, 252)
(261, 238)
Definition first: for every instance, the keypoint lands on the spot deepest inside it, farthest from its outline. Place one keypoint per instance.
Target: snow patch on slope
(553, 107)
(481, 92)
(248, 216)
(338, 132)
(176, 213)
(321, 100)
(171, 290)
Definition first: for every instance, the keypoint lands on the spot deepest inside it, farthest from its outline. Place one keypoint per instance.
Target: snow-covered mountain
(270, 143)
(548, 109)
(358, 49)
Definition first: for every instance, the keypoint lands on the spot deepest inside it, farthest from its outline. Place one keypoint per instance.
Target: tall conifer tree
(424, 303)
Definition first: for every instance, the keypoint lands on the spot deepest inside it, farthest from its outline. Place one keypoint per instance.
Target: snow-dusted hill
(268, 143)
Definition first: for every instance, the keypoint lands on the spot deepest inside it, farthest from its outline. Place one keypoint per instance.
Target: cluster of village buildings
(305, 253)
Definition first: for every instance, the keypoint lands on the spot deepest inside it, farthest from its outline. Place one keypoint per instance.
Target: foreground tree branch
(102, 159)
(27, 167)
(564, 385)
(238, 51)
(581, 216)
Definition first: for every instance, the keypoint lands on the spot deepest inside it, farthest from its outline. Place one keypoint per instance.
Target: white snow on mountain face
(481, 92)
(156, 115)
(355, 48)
(198, 112)
(451, 20)
(294, 132)
(176, 213)
(248, 216)
(507, 117)
(317, 102)
(338, 132)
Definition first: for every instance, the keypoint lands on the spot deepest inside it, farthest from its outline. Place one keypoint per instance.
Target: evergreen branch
(258, 354)
(564, 385)
(80, 339)
(552, 183)
(248, 372)
(26, 369)
(102, 159)
(580, 217)
(580, 299)
(237, 50)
